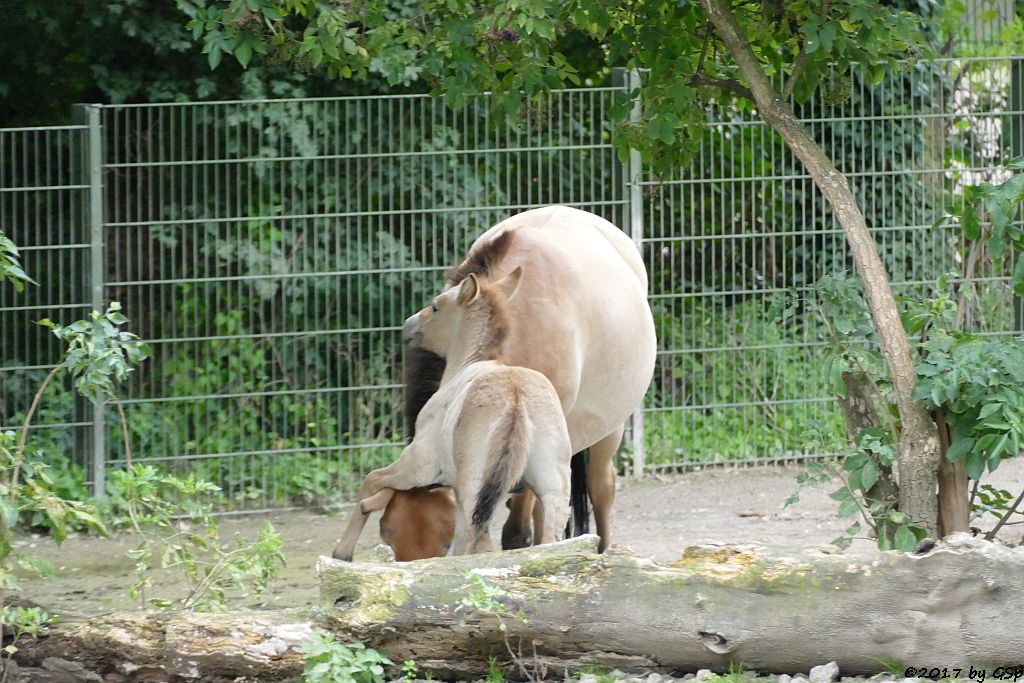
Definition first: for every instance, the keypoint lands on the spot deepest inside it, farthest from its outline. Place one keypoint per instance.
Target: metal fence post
(635, 223)
(1015, 131)
(97, 269)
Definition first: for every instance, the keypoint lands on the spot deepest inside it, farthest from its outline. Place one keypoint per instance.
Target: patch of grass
(495, 674)
(602, 674)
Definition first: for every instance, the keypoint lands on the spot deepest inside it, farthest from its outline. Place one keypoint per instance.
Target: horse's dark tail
(508, 448)
(579, 497)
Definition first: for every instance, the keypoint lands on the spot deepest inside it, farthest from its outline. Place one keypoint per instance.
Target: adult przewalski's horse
(581, 318)
(488, 428)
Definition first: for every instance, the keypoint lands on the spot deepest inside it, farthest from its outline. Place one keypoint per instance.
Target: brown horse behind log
(418, 523)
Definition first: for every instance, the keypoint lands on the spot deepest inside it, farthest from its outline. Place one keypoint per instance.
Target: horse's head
(424, 367)
(418, 524)
(463, 319)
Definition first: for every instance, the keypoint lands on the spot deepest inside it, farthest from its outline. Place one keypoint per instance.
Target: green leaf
(975, 464)
(876, 74)
(213, 57)
(1018, 276)
(896, 517)
(959, 449)
(869, 475)
(905, 539)
(9, 512)
(849, 507)
(826, 35)
(970, 224)
(243, 53)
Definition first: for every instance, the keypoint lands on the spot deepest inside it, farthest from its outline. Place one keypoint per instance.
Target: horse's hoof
(514, 542)
(342, 554)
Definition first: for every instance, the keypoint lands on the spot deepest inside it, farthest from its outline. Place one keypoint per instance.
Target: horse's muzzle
(411, 332)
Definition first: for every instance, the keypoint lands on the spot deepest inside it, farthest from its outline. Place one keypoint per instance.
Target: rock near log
(770, 609)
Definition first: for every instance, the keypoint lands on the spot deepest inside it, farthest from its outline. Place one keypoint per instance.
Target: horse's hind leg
(376, 502)
(601, 483)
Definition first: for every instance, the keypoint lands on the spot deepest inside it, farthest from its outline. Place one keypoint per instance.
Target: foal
(488, 427)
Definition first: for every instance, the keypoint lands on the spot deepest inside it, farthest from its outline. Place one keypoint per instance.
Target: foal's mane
(423, 369)
(495, 306)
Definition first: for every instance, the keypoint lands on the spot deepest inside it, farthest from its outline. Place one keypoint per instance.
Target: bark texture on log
(168, 646)
(770, 609)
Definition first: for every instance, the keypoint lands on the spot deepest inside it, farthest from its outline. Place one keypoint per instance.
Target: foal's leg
(516, 533)
(461, 537)
(601, 483)
(377, 502)
(411, 470)
(547, 474)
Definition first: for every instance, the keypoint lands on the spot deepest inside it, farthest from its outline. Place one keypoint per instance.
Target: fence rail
(268, 252)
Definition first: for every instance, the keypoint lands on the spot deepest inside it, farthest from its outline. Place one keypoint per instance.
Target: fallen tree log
(167, 646)
(769, 609)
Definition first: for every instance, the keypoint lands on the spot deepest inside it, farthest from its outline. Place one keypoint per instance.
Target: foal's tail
(508, 447)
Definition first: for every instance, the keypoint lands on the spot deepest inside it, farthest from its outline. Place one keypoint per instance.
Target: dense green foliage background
(735, 378)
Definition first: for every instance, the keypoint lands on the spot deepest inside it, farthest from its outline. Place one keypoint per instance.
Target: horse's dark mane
(481, 260)
(423, 370)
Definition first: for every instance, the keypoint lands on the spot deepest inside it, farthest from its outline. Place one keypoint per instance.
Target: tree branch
(735, 87)
(801, 59)
(703, 50)
(798, 68)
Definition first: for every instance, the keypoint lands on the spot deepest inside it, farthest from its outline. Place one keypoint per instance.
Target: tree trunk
(919, 444)
(859, 413)
(954, 501)
(167, 646)
(858, 405)
(769, 609)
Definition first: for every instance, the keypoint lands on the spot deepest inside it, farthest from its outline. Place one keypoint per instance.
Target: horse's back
(574, 229)
(496, 387)
(581, 316)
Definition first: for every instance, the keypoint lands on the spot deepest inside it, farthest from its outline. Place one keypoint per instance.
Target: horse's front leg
(408, 472)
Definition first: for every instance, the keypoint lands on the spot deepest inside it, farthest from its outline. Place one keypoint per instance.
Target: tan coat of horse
(581, 319)
(488, 427)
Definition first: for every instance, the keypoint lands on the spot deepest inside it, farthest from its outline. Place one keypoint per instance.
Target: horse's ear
(509, 284)
(468, 290)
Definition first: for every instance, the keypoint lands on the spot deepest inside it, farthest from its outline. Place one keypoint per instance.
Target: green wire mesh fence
(269, 251)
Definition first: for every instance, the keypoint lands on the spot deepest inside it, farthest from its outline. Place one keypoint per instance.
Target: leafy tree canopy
(59, 52)
(515, 47)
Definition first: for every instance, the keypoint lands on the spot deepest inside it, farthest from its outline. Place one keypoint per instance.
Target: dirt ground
(657, 517)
